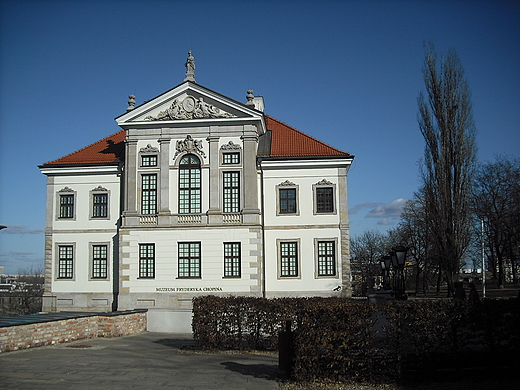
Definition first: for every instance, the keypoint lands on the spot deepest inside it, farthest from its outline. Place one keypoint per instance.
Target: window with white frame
(189, 260)
(231, 187)
(149, 194)
(230, 158)
(325, 257)
(149, 157)
(232, 267)
(146, 261)
(149, 160)
(65, 261)
(189, 185)
(99, 261)
(288, 260)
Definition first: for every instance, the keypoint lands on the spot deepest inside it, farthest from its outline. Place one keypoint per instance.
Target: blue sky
(345, 72)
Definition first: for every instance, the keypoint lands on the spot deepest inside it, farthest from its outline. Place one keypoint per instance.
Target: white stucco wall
(82, 231)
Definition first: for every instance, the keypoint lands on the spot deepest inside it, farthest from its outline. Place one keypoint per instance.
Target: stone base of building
(169, 321)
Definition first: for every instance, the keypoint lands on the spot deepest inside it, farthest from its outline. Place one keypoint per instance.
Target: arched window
(189, 185)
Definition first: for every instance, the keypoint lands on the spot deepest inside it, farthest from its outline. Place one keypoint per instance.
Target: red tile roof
(286, 142)
(289, 142)
(108, 150)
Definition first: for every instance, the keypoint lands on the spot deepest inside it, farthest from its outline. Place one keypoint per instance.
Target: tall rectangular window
(231, 192)
(149, 194)
(324, 200)
(189, 260)
(99, 261)
(232, 260)
(289, 259)
(189, 185)
(67, 206)
(99, 205)
(326, 258)
(65, 261)
(287, 200)
(147, 261)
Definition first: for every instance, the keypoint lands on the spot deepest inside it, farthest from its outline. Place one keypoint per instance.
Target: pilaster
(250, 211)
(344, 232)
(130, 185)
(164, 182)
(214, 212)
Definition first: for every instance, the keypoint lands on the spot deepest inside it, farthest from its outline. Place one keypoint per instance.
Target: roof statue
(190, 68)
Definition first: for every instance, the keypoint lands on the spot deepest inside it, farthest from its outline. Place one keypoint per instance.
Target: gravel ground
(430, 385)
(502, 384)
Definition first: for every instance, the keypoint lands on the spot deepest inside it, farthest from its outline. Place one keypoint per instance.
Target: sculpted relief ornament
(230, 146)
(190, 108)
(149, 149)
(189, 145)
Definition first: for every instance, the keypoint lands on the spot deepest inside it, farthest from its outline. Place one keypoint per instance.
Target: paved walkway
(145, 361)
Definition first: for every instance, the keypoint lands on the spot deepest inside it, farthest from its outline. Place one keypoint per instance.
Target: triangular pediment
(188, 102)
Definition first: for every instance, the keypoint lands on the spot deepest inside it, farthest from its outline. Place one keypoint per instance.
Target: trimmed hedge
(340, 338)
(335, 339)
(241, 322)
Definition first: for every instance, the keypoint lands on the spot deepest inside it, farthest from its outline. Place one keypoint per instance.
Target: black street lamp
(398, 256)
(385, 267)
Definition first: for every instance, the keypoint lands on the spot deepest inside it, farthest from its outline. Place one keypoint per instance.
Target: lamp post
(398, 256)
(385, 267)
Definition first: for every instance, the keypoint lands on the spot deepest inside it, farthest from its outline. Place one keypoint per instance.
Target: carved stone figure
(190, 68)
(189, 108)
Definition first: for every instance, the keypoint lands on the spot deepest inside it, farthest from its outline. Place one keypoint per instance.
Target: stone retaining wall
(38, 334)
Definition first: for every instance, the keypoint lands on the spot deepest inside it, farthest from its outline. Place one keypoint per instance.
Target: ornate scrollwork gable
(66, 189)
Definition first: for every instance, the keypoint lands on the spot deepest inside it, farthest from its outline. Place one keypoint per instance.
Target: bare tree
(24, 295)
(446, 123)
(412, 232)
(367, 250)
(496, 201)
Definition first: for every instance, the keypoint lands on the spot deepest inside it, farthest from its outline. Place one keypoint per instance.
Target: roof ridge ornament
(131, 103)
(250, 98)
(190, 68)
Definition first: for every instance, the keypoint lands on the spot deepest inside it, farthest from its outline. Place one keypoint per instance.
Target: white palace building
(196, 194)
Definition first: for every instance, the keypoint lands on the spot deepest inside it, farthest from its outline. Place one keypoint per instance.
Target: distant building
(197, 194)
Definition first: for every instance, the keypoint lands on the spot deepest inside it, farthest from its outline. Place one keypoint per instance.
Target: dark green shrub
(335, 338)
